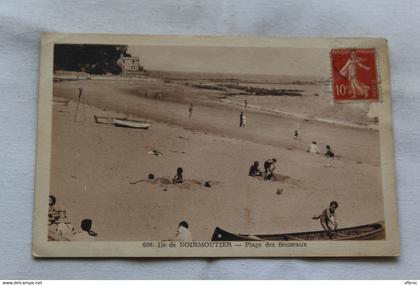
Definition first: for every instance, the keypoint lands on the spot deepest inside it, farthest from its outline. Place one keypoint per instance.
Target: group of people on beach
(313, 148)
(269, 166)
(58, 223)
(59, 226)
(327, 218)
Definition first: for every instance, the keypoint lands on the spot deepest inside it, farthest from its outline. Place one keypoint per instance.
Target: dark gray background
(21, 25)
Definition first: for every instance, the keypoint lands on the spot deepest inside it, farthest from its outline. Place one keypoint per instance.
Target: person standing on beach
(246, 103)
(190, 109)
(242, 120)
(328, 217)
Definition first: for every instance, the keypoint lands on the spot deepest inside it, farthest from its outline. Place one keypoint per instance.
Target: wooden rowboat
(375, 231)
(131, 123)
(122, 122)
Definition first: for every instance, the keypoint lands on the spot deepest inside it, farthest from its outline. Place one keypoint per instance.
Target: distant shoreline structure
(211, 77)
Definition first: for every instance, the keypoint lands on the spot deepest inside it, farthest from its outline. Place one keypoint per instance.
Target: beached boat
(122, 122)
(375, 231)
(131, 123)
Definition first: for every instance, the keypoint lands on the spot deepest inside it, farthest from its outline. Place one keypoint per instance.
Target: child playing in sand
(269, 166)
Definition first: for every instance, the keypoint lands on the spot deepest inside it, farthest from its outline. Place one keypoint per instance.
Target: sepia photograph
(228, 147)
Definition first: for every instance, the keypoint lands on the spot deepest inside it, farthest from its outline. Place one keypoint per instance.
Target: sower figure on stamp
(349, 71)
(328, 218)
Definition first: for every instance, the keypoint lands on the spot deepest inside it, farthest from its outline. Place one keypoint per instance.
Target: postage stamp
(354, 75)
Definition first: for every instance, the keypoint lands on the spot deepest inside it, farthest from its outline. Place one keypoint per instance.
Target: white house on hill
(130, 64)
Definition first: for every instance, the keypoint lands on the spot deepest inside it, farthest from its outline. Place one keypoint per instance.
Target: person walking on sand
(269, 166)
(242, 120)
(313, 148)
(182, 233)
(328, 217)
(190, 110)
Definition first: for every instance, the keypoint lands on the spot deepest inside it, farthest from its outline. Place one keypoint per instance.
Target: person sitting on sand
(329, 153)
(182, 233)
(178, 176)
(64, 227)
(313, 148)
(86, 234)
(328, 217)
(269, 166)
(53, 213)
(254, 170)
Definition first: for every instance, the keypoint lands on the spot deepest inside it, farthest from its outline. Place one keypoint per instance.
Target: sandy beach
(93, 164)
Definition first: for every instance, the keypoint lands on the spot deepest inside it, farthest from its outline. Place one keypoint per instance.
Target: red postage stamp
(354, 75)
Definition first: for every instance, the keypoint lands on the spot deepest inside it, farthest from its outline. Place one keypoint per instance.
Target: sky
(242, 60)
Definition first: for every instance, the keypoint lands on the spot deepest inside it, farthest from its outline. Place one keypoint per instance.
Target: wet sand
(93, 164)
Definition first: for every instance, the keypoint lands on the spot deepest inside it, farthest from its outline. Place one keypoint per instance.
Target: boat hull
(375, 231)
(131, 124)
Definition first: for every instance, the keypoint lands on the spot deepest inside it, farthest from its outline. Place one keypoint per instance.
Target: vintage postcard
(182, 146)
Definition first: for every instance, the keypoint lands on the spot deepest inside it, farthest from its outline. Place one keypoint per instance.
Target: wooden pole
(78, 103)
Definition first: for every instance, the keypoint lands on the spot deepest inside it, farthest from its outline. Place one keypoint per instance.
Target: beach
(95, 168)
